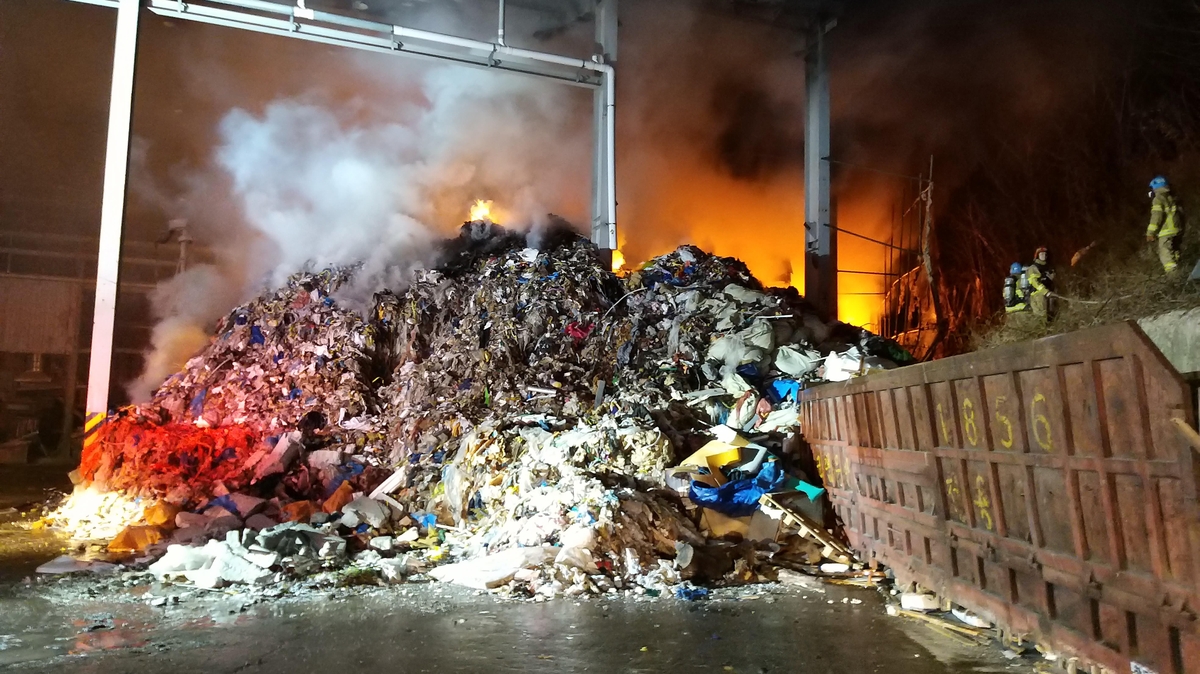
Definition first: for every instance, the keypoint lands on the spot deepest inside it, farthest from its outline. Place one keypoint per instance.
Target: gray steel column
(604, 230)
(820, 268)
(112, 211)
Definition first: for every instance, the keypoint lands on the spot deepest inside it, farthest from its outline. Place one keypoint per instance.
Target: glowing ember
(618, 260)
(482, 210)
(92, 514)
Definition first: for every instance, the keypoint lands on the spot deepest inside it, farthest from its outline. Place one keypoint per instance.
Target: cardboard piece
(765, 524)
(718, 525)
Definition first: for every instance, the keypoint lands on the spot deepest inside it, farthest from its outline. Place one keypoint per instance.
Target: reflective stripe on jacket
(1040, 279)
(1164, 214)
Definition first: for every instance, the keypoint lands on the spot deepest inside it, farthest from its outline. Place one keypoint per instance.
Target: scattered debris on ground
(519, 419)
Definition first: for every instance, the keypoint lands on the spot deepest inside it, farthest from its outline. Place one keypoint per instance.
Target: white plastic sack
(780, 420)
(742, 294)
(841, 367)
(794, 362)
(485, 573)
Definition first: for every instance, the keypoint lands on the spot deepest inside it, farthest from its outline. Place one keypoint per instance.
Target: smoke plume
(325, 156)
(316, 185)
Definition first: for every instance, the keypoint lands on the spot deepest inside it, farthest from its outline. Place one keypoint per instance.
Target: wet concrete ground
(23, 488)
(124, 625)
(433, 628)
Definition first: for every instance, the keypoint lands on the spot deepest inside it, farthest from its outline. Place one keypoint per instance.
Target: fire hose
(1080, 301)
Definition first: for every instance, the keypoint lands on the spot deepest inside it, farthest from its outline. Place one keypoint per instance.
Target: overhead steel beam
(820, 268)
(275, 18)
(112, 211)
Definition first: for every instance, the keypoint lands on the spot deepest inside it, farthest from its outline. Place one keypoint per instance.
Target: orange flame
(482, 210)
(618, 260)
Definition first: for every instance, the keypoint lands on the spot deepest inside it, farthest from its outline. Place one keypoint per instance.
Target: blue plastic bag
(691, 592)
(739, 498)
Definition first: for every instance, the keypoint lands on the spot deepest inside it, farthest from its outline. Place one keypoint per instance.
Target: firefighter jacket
(1041, 278)
(1165, 215)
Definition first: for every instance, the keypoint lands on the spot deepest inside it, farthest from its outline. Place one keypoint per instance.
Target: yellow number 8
(969, 426)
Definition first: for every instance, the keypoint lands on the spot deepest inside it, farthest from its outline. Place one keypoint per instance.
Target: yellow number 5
(1007, 440)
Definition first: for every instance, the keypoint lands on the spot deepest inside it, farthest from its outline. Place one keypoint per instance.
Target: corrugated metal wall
(38, 315)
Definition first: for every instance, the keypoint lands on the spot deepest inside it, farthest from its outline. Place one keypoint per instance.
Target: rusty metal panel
(1047, 486)
(38, 315)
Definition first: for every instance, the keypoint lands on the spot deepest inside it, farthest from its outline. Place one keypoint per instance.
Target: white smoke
(371, 183)
(183, 306)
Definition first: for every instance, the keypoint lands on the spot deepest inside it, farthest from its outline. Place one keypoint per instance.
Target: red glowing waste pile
(181, 462)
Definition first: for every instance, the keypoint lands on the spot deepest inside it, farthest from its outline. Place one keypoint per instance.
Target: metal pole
(112, 211)
(820, 277)
(604, 192)
(500, 30)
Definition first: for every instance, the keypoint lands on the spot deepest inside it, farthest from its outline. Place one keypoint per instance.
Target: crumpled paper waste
(510, 419)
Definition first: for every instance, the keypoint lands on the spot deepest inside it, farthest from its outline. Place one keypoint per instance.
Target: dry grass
(1106, 287)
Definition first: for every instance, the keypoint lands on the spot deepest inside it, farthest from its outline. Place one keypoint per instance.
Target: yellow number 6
(1041, 425)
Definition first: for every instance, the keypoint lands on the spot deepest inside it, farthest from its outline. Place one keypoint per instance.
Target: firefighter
(1041, 284)
(1166, 223)
(1015, 298)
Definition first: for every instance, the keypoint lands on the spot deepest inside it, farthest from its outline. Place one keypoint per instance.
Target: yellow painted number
(969, 427)
(1041, 425)
(1007, 440)
(953, 497)
(982, 502)
(942, 424)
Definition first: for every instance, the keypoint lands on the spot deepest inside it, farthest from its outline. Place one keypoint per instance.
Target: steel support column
(604, 220)
(820, 264)
(112, 213)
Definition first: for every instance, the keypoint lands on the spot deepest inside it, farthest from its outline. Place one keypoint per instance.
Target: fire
(618, 260)
(482, 210)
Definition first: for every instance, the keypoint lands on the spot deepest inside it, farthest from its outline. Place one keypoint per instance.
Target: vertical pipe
(112, 211)
(599, 164)
(604, 199)
(500, 30)
(610, 151)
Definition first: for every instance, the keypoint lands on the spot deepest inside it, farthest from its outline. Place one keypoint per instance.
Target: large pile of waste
(517, 417)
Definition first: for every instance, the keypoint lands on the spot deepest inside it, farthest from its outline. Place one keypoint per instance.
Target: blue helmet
(1016, 269)
(1158, 182)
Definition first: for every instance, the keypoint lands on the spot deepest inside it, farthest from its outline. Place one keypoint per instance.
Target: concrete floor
(22, 489)
(432, 628)
(103, 625)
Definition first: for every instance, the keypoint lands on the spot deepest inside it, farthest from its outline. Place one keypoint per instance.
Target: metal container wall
(1047, 486)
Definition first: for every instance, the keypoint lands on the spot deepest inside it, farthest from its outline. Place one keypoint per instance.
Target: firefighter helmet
(1016, 269)
(1158, 182)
